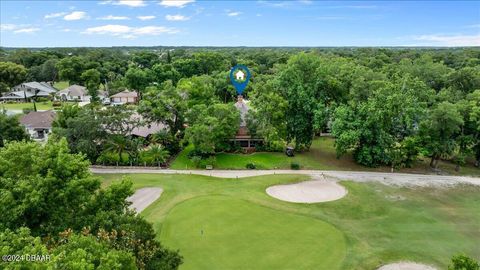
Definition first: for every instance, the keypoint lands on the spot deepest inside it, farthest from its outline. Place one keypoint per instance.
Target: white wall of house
(35, 134)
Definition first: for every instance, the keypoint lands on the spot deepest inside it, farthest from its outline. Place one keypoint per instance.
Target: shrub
(196, 160)
(212, 160)
(56, 103)
(111, 158)
(42, 99)
(294, 166)
(463, 262)
(251, 166)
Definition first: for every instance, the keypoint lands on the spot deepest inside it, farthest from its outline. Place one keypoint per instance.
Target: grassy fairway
(321, 156)
(243, 228)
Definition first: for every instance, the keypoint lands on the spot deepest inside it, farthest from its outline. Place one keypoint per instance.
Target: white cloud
(114, 18)
(176, 3)
(234, 13)
(129, 32)
(177, 17)
(55, 15)
(450, 40)
(130, 3)
(76, 15)
(7, 27)
(27, 30)
(146, 18)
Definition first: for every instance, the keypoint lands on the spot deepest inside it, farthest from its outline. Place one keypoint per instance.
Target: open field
(321, 156)
(229, 223)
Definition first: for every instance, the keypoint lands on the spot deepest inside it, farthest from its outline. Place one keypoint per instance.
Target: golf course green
(233, 224)
(258, 237)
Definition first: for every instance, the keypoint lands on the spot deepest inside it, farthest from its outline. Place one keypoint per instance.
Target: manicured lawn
(243, 228)
(321, 156)
(27, 105)
(61, 85)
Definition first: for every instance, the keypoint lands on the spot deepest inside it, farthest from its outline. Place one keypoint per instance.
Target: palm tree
(117, 144)
(158, 153)
(133, 148)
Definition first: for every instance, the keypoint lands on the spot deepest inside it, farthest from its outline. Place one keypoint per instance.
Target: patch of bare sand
(308, 192)
(407, 266)
(143, 197)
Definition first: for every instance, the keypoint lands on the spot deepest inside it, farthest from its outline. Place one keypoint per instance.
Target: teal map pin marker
(239, 76)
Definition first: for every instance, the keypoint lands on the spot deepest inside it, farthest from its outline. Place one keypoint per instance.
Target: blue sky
(239, 23)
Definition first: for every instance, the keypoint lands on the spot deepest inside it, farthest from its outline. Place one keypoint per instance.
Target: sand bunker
(143, 197)
(407, 266)
(308, 192)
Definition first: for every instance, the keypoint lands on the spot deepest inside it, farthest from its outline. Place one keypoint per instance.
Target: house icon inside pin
(240, 76)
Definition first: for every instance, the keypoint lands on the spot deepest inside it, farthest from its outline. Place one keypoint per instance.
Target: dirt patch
(308, 191)
(407, 266)
(143, 197)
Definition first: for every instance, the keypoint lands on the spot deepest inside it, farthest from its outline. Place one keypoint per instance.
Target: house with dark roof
(28, 90)
(38, 124)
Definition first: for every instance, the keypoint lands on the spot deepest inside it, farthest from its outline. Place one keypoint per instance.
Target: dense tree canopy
(295, 94)
(52, 193)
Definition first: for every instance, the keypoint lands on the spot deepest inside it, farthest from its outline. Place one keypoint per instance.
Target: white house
(240, 76)
(38, 124)
(28, 90)
(77, 93)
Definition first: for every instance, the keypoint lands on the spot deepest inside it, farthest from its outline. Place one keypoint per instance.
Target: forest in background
(388, 106)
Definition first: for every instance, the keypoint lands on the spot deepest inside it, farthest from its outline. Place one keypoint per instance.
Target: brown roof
(125, 94)
(38, 119)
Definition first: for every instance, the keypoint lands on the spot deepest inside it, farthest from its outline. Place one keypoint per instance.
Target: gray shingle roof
(38, 119)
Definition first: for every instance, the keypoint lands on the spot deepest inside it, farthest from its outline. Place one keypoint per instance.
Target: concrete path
(143, 197)
(397, 179)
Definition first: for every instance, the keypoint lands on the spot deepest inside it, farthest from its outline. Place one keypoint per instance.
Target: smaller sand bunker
(407, 266)
(308, 192)
(143, 197)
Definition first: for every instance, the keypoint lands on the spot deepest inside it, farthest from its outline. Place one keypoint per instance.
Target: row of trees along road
(387, 106)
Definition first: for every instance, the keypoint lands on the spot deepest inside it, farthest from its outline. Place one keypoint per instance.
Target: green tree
(51, 191)
(71, 69)
(91, 77)
(119, 144)
(440, 130)
(11, 130)
(11, 74)
(376, 129)
(164, 104)
(297, 82)
(165, 72)
(158, 154)
(84, 129)
(211, 127)
(137, 79)
(266, 118)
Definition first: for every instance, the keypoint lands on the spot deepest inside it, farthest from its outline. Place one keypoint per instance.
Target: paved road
(143, 197)
(400, 179)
